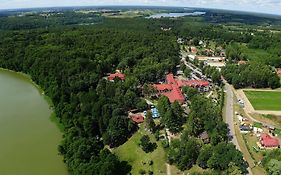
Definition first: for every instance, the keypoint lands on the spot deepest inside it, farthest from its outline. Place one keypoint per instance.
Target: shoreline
(53, 118)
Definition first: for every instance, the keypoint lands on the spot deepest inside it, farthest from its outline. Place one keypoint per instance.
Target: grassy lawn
(265, 100)
(194, 169)
(252, 142)
(131, 152)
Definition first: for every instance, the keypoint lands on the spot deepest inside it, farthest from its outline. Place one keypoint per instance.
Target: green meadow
(265, 100)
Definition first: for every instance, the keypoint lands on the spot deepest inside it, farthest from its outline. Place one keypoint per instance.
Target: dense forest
(45, 20)
(70, 63)
(254, 75)
(69, 55)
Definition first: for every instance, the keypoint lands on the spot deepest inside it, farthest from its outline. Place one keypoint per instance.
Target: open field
(131, 152)
(265, 100)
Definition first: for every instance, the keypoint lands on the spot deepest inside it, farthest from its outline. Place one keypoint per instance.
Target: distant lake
(176, 15)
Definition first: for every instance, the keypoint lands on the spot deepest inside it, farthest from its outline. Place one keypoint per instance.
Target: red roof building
(137, 118)
(279, 72)
(175, 95)
(170, 79)
(192, 83)
(111, 77)
(269, 142)
(172, 88)
(163, 87)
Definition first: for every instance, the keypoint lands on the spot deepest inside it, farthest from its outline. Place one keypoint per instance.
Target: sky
(263, 6)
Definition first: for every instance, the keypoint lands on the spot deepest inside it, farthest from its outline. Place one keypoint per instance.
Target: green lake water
(28, 139)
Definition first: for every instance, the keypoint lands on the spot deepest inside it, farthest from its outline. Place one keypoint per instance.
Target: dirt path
(269, 90)
(168, 169)
(168, 166)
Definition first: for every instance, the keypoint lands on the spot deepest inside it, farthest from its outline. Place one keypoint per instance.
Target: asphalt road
(229, 115)
(230, 118)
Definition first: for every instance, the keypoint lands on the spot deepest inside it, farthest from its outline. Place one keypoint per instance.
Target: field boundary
(248, 105)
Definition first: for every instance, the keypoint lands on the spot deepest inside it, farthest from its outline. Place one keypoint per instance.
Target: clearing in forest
(131, 152)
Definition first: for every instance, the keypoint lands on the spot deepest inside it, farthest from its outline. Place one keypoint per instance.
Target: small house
(138, 119)
(268, 142)
(111, 77)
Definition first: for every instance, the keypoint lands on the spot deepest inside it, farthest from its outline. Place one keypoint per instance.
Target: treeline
(271, 43)
(52, 19)
(256, 75)
(216, 154)
(265, 47)
(191, 29)
(69, 63)
(219, 17)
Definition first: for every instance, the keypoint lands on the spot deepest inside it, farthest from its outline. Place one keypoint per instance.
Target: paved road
(229, 115)
(229, 118)
(191, 66)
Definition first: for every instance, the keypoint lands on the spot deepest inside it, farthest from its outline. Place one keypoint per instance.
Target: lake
(176, 15)
(28, 138)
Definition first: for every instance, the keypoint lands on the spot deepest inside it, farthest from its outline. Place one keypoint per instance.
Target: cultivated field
(265, 100)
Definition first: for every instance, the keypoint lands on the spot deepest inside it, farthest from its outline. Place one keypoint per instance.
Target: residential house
(111, 77)
(138, 119)
(268, 142)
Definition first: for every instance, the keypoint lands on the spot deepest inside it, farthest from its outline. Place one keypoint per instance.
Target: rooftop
(172, 88)
(175, 95)
(113, 76)
(268, 141)
(137, 118)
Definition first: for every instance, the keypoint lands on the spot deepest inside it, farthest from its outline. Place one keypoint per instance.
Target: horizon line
(136, 5)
